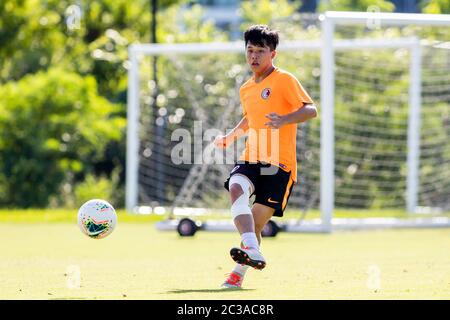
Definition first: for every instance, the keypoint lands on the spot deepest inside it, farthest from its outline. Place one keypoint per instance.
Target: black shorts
(272, 185)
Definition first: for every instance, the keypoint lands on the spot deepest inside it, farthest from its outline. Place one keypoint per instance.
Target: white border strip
(345, 18)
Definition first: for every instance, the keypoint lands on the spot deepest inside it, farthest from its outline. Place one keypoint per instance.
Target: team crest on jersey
(266, 93)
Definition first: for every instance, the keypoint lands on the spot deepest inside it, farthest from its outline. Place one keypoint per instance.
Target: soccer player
(273, 102)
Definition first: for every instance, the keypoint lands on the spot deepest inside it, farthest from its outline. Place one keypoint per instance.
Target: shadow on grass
(176, 291)
(71, 298)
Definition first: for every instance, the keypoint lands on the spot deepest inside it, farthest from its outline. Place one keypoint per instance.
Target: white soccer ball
(97, 218)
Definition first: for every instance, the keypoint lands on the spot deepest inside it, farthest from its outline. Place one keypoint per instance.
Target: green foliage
(36, 34)
(179, 26)
(30, 36)
(52, 125)
(436, 6)
(281, 15)
(69, 130)
(266, 11)
(356, 5)
(98, 188)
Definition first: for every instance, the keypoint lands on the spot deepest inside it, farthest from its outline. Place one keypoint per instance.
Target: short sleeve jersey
(280, 92)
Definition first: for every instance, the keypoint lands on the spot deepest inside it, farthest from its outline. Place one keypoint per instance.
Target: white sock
(249, 240)
(241, 269)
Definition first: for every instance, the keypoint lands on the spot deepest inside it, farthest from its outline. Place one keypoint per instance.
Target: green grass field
(38, 248)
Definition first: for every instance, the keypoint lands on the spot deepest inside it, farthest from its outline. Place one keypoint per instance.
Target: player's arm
(223, 141)
(308, 111)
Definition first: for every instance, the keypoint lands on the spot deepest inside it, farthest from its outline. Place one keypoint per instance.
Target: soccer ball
(97, 218)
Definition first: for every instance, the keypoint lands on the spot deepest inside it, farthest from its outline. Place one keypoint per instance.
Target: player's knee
(235, 191)
(239, 185)
(240, 195)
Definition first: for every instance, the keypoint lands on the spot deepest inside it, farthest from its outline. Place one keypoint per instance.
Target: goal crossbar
(238, 46)
(390, 18)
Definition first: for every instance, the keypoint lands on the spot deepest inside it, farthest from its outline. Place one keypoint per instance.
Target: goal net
(379, 148)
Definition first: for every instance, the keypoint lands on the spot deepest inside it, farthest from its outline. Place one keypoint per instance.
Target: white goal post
(327, 47)
(329, 21)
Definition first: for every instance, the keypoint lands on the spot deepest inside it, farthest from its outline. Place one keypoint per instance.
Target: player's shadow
(177, 291)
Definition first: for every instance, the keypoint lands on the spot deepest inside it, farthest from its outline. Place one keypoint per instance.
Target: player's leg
(241, 186)
(261, 215)
(271, 197)
(240, 189)
(271, 200)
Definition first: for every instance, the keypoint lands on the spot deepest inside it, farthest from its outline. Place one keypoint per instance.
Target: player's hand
(220, 142)
(276, 121)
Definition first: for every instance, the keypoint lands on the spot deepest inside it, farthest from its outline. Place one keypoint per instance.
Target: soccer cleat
(248, 256)
(234, 281)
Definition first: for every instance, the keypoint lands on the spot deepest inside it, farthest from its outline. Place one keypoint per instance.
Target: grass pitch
(38, 256)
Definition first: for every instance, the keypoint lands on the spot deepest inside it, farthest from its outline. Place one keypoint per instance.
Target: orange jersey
(279, 92)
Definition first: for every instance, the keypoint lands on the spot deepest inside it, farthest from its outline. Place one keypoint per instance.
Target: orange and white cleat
(234, 281)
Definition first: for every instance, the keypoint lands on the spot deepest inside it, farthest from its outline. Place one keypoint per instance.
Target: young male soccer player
(273, 103)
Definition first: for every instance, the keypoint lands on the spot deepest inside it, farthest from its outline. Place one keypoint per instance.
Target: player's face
(259, 58)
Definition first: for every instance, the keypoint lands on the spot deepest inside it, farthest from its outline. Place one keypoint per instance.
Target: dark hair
(261, 35)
